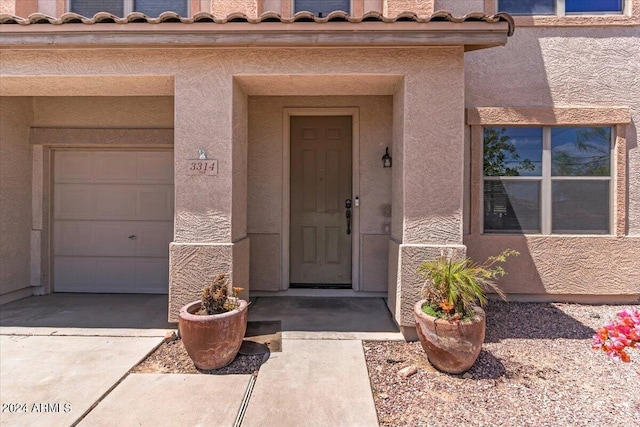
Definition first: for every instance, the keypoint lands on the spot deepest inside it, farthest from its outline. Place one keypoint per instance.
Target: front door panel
(320, 183)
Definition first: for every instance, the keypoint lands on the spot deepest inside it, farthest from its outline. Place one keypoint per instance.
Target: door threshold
(320, 286)
(323, 293)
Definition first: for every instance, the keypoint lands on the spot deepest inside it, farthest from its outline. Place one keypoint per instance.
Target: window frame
(618, 118)
(560, 10)
(292, 5)
(546, 180)
(128, 6)
(630, 17)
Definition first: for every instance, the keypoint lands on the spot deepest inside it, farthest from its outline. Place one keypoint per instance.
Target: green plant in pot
(450, 321)
(212, 328)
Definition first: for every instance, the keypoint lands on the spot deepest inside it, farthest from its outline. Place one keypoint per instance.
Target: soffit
(338, 29)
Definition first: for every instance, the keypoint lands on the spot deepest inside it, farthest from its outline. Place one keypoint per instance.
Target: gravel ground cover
(537, 368)
(172, 358)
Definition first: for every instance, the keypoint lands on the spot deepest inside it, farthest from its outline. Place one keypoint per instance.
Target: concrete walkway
(313, 383)
(54, 373)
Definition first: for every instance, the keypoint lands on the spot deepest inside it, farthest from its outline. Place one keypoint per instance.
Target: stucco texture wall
(265, 184)
(15, 197)
(226, 7)
(459, 7)
(7, 7)
(566, 67)
(203, 88)
(103, 112)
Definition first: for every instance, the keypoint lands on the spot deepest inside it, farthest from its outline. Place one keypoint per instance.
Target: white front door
(113, 221)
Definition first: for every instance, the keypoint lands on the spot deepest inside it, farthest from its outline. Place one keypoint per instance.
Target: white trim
(354, 112)
(613, 175)
(545, 186)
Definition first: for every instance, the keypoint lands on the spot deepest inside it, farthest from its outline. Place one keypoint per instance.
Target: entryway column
(210, 235)
(427, 178)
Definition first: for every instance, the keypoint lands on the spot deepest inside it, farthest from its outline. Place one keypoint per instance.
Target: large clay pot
(451, 345)
(212, 341)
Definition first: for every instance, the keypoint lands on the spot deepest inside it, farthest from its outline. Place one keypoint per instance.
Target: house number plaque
(202, 167)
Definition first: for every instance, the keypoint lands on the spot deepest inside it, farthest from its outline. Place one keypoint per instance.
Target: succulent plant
(219, 297)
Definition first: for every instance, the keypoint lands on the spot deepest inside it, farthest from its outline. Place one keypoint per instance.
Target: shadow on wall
(522, 272)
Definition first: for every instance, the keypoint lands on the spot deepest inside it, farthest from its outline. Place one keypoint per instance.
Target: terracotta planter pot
(212, 341)
(451, 345)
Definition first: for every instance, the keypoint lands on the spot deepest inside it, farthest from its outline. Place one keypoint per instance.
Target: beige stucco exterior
(427, 102)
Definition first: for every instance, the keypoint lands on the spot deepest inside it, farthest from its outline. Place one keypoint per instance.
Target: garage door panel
(155, 202)
(74, 201)
(72, 166)
(153, 238)
(73, 237)
(101, 274)
(115, 201)
(154, 167)
(113, 166)
(152, 275)
(113, 238)
(111, 275)
(113, 221)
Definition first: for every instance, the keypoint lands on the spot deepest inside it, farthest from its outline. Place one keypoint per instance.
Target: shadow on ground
(314, 314)
(531, 320)
(118, 311)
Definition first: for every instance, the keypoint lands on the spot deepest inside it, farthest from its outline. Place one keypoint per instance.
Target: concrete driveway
(65, 359)
(61, 353)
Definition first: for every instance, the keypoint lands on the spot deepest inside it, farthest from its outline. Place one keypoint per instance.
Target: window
(322, 8)
(547, 180)
(561, 7)
(152, 8)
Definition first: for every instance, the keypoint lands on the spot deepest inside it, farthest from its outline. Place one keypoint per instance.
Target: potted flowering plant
(213, 327)
(450, 321)
(615, 338)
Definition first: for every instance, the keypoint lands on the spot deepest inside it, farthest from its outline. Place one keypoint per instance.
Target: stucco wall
(265, 184)
(566, 66)
(15, 198)
(8, 7)
(420, 7)
(103, 112)
(573, 268)
(459, 7)
(225, 7)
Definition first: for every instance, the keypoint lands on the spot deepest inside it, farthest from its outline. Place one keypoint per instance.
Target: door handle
(347, 204)
(132, 237)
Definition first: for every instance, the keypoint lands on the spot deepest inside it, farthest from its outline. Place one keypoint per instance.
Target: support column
(210, 225)
(429, 183)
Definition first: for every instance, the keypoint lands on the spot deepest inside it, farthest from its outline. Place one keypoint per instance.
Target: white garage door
(113, 221)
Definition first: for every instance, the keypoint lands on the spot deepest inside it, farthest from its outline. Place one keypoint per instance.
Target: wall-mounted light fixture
(386, 159)
(202, 155)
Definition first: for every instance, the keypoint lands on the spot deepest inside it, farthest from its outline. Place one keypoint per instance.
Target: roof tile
(336, 16)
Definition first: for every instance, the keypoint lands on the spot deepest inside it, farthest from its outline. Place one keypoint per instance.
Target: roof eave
(473, 35)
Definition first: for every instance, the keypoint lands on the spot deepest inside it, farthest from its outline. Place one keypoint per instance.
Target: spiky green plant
(453, 287)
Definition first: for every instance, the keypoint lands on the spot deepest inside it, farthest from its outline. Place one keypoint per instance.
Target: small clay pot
(451, 345)
(212, 340)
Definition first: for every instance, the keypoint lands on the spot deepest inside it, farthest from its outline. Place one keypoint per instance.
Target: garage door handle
(132, 237)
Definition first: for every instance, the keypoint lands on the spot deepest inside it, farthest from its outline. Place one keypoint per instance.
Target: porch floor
(327, 317)
(145, 315)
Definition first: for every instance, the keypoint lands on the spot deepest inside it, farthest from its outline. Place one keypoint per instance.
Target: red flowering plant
(619, 335)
